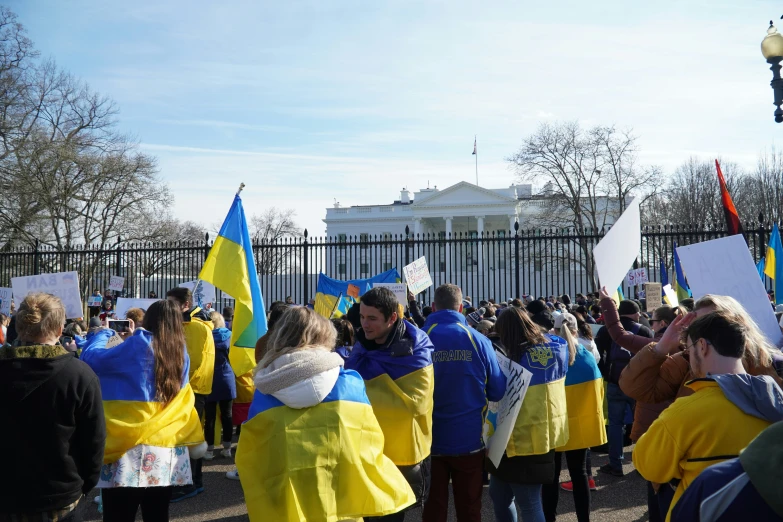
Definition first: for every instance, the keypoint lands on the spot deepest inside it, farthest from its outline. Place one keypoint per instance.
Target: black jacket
(53, 429)
(610, 369)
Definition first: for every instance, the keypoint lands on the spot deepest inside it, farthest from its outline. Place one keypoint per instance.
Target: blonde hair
(569, 336)
(758, 350)
(40, 315)
(299, 328)
(217, 319)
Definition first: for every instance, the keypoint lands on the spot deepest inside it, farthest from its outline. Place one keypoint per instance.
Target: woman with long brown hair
(151, 424)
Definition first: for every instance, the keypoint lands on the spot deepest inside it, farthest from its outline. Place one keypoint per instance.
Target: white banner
(637, 276)
(124, 304)
(618, 249)
(417, 276)
(64, 285)
(502, 416)
(400, 291)
(116, 283)
(5, 300)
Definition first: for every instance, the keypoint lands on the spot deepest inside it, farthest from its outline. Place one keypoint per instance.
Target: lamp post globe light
(772, 49)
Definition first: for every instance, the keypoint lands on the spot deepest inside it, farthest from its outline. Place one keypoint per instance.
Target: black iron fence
(539, 262)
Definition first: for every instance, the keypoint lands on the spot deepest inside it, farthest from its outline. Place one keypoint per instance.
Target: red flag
(732, 218)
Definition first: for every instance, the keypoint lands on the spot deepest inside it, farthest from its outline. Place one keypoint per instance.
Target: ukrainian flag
(584, 390)
(774, 268)
(542, 424)
(230, 267)
(680, 284)
(401, 393)
(335, 296)
(133, 415)
(323, 463)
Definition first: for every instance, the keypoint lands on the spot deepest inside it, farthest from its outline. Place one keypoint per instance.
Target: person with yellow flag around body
(152, 427)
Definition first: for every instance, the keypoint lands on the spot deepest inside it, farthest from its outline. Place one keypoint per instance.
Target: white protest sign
(595, 328)
(400, 291)
(671, 295)
(116, 283)
(502, 416)
(94, 301)
(204, 294)
(618, 248)
(417, 276)
(724, 267)
(64, 285)
(637, 276)
(652, 292)
(124, 304)
(5, 300)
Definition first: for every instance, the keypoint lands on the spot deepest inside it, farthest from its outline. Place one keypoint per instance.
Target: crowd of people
(370, 415)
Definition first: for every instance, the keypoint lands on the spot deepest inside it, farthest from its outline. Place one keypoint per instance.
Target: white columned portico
(480, 243)
(417, 226)
(449, 235)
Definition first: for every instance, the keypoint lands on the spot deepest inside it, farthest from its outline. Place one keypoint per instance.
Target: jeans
(466, 473)
(618, 401)
(527, 497)
(210, 409)
(121, 504)
(575, 460)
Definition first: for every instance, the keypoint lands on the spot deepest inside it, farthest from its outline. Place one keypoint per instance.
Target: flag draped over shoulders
(230, 266)
(322, 463)
(133, 415)
(334, 297)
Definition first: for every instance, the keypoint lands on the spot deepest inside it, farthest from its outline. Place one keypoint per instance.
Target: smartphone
(65, 340)
(119, 325)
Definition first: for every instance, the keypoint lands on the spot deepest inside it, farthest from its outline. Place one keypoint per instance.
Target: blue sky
(311, 101)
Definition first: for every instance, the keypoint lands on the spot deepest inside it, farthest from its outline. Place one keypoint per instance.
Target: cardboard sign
(618, 249)
(502, 416)
(124, 304)
(636, 277)
(116, 283)
(5, 300)
(725, 267)
(417, 276)
(353, 291)
(64, 285)
(203, 294)
(94, 301)
(671, 295)
(653, 294)
(400, 291)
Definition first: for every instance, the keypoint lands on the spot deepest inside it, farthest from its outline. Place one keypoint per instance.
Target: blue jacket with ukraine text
(467, 375)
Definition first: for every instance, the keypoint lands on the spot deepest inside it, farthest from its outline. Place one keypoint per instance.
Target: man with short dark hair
(467, 375)
(394, 358)
(201, 350)
(727, 411)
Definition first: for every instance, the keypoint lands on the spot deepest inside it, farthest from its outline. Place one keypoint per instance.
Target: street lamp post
(772, 49)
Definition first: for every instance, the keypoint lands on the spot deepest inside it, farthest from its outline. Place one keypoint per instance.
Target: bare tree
(271, 230)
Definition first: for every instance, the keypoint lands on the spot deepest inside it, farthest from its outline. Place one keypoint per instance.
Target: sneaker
(232, 475)
(609, 470)
(186, 492)
(569, 486)
(209, 455)
(226, 453)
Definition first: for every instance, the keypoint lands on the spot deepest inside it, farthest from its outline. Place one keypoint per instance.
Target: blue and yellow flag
(334, 298)
(133, 415)
(664, 274)
(760, 269)
(400, 388)
(322, 463)
(584, 390)
(230, 267)
(680, 284)
(774, 268)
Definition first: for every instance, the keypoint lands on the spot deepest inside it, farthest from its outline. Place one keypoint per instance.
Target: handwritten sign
(618, 249)
(116, 283)
(353, 291)
(653, 293)
(94, 301)
(203, 292)
(400, 291)
(637, 276)
(417, 276)
(124, 304)
(5, 300)
(64, 285)
(502, 416)
(724, 267)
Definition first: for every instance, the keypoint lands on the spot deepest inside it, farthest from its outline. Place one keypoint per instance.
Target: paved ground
(617, 499)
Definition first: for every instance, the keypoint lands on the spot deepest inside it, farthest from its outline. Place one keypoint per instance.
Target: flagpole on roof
(475, 153)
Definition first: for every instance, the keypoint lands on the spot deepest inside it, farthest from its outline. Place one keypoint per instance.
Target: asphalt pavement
(617, 499)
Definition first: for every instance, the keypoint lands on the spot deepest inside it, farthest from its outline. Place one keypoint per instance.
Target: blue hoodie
(467, 375)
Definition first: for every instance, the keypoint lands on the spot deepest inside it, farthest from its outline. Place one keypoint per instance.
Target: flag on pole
(774, 263)
(230, 266)
(680, 284)
(664, 274)
(474, 146)
(732, 217)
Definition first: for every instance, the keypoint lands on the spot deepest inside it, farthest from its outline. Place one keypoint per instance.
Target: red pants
(466, 473)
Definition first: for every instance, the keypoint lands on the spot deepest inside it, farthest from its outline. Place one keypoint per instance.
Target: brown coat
(646, 410)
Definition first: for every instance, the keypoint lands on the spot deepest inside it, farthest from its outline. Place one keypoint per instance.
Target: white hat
(566, 318)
